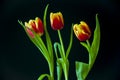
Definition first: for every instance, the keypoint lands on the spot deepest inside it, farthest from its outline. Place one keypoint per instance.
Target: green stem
(66, 72)
(62, 46)
(51, 69)
(89, 51)
(65, 65)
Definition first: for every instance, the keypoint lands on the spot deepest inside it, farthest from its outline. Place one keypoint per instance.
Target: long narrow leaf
(48, 40)
(59, 69)
(42, 46)
(96, 41)
(43, 76)
(65, 67)
(70, 43)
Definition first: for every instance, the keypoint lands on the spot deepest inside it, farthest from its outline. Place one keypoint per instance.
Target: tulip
(82, 31)
(56, 20)
(30, 32)
(35, 25)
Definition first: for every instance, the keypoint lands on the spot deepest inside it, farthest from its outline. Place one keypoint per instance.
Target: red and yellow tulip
(56, 20)
(35, 25)
(82, 31)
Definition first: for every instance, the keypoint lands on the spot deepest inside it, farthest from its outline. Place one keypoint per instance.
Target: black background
(21, 60)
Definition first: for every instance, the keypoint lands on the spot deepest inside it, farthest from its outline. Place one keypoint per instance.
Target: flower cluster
(81, 30)
(36, 28)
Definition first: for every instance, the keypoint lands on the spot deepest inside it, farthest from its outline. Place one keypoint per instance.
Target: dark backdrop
(21, 60)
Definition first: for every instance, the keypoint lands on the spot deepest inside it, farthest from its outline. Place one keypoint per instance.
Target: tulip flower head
(82, 31)
(56, 20)
(35, 25)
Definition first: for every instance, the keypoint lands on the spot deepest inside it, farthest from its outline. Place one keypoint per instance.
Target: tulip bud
(82, 31)
(35, 25)
(30, 32)
(56, 20)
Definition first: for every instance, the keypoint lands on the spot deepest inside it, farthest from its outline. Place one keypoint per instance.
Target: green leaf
(65, 66)
(41, 45)
(82, 70)
(44, 17)
(70, 43)
(62, 63)
(96, 41)
(48, 40)
(59, 69)
(85, 45)
(43, 76)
